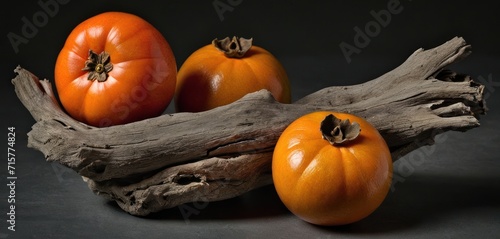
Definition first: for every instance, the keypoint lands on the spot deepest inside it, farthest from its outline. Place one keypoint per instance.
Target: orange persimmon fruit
(226, 70)
(331, 168)
(115, 68)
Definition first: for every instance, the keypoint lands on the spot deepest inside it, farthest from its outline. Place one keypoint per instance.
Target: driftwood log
(163, 162)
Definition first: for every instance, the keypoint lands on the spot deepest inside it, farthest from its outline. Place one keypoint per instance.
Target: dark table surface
(448, 190)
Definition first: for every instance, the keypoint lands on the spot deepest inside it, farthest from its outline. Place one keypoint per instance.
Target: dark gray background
(450, 189)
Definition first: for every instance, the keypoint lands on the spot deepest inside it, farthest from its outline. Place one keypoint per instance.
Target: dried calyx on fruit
(235, 47)
(337, 131)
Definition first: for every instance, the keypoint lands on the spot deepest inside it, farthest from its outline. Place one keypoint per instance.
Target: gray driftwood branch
(163, 162)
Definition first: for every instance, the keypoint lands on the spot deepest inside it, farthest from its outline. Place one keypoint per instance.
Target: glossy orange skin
(331, 185)
(141, 84)
(208, 79)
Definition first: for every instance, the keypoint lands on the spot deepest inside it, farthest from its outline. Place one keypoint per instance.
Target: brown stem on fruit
(337, 131)
(98, 66)
(235, 47)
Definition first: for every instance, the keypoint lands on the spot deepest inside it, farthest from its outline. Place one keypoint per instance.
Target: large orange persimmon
(331, 168)
(115, 68)
(225, 71)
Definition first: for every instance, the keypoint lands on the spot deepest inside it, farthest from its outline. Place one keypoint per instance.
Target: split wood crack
(163, 162)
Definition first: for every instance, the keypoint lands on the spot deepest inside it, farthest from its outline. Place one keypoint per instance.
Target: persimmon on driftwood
(163, 162)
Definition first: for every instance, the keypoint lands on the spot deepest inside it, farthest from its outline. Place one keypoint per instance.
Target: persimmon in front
(331, 168)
